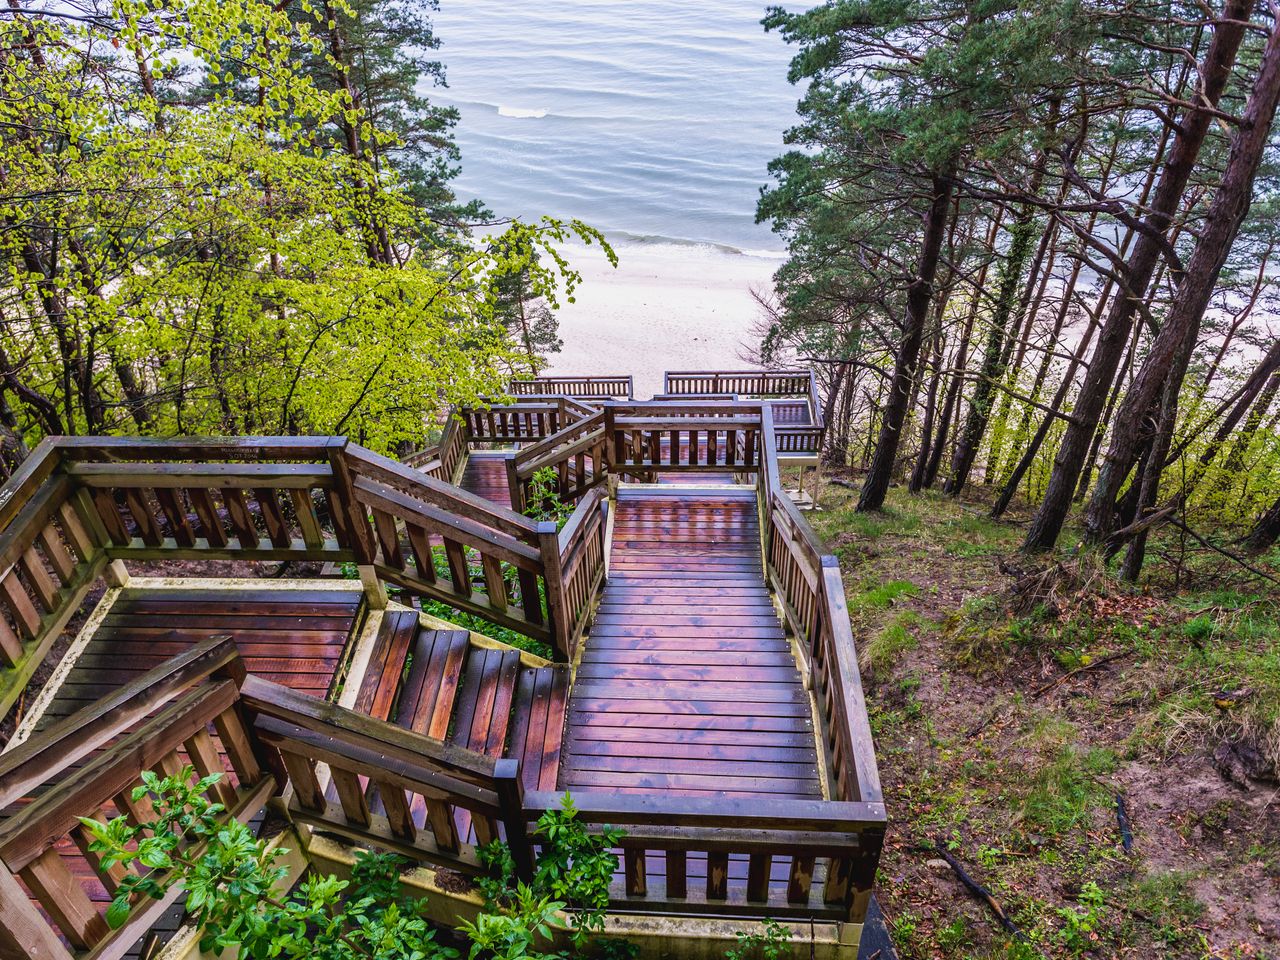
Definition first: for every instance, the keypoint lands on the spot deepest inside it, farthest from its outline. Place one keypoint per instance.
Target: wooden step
(386, 664)
(538, 727)
(484, 703)
(427, 698)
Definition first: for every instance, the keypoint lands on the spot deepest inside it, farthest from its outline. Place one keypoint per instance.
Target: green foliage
(894, 639)
(771, 943)
(1064, 792)
(544, 501)
(1080, 927)
(234, 884)
(574, 870)
(242, 253)
(883, 595)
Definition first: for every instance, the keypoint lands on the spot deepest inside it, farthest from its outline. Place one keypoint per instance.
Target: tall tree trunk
(1166, 361)
(919, 296)
(1266, 531)
(1192, 128)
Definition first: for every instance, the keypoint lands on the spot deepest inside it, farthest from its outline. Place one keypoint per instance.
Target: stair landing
(687, 683)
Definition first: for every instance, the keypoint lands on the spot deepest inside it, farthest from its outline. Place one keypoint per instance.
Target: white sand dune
(665, 307)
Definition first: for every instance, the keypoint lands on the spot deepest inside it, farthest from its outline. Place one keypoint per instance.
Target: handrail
(583, 388)
(171, 729)
(577, 453)
(26, 766)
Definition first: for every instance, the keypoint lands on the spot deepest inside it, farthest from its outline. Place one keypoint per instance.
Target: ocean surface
(652, 121)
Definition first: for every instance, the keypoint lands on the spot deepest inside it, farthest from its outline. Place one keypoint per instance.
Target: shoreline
(667, 306)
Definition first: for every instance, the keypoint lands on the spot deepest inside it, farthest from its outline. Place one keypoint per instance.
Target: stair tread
(426, 702)
(539, 725)
(484, 707)
(386, 664)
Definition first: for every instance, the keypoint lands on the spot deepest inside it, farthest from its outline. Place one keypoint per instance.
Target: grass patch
(1065, 791)
(883, 650)
(883, 595)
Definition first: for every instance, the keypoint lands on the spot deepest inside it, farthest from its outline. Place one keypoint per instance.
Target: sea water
(652, 121)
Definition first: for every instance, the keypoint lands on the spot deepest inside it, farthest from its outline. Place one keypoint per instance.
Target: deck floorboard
(687, 684)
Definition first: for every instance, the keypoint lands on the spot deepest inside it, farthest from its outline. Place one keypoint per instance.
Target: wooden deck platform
(486, 476)
(687, 683)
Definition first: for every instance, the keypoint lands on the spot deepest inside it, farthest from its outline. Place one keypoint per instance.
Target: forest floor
(1008, 722)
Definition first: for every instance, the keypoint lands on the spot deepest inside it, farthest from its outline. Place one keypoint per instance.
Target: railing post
(510, 789)
(553, 575)
(514, 487)
(358, 523)
(23, 931)
(609, 452)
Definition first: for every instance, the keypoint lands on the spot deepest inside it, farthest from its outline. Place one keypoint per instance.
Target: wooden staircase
(439, 683)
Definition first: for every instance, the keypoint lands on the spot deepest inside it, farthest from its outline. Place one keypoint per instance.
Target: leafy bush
(235, 887)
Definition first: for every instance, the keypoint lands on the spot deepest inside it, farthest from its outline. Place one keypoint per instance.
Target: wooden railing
(388, 780)
(580, 388)
(159, 723)
(582, 567)
(798, 423)
(514, 422)
(436, 540)
(577, 454)
(749, 383)
(643, 439)
(677, 853)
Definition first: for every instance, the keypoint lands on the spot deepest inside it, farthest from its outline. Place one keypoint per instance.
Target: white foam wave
(521, 113)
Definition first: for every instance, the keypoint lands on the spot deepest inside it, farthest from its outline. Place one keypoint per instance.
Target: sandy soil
(665, 307)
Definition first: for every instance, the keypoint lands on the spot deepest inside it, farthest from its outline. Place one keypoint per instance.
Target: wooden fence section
(513, 423)
(51, 553)
(394, 788)
(241, 499)
(792, 858)
(581, 564)
(798, 423)
(436, 540)
(577, 454)
(580, 388)
(159, 727)
(688, 438)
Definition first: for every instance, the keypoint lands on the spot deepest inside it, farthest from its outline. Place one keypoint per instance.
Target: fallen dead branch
(1094, 665)
(978, 891)
(1122, 819)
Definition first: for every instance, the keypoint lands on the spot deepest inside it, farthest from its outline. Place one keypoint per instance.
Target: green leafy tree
(185, 249)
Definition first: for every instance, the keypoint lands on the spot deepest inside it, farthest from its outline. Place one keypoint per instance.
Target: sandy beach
(665, 307)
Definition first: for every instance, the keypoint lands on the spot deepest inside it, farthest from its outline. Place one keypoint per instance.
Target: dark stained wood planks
(293, 637)
(486, 476)
(687, 684)
(538, 727)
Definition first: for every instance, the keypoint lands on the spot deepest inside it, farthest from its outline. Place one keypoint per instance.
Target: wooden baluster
(800, 879)
(65, 900)
(486, 830)
(109, 513)
(423, 558)
(731, 447)
(306, 787)
(138, 811)
(384, 525)
(170, 764)
(203, 754)
(758, 867)
(20, 605)
(459, 569)
(78, 537)
(836, 889)
(637, 882)
(305, 510)
(655, 446)
(175, 515)
(149, 531)
(240, 517)
(354, 806)
(494, 583)
(443, 828)
(273, 517)
(530, 598)
(399, 814)
(37, 574)
(10, 645)
(677, 875)
(210, 520)
(717, 875)
(235, 741)
(63, 565)
(111, 876)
